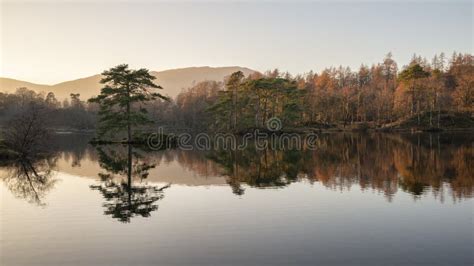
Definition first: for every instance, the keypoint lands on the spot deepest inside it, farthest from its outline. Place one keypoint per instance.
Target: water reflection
(125, 199)
(397, 168)
(418, 164)
(30, 179)
(260, 168)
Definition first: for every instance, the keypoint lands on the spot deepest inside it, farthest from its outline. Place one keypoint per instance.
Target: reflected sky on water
(362, 199)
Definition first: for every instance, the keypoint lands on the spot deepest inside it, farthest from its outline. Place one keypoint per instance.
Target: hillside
(173, 81)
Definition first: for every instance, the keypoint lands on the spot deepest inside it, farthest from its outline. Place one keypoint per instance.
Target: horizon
(82, 39)
(151, 70)
(400, 68)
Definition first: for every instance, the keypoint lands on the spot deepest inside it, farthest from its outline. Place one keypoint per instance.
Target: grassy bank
(162, 140)
(445, 121)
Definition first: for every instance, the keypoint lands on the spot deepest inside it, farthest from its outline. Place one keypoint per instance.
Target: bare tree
(27, 132)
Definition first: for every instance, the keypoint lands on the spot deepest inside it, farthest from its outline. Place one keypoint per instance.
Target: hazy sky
(49, 42)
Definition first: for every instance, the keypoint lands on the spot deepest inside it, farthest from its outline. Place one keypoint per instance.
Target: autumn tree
(232, 86)
(462, 74)
(377, 94)
(192, 105)
(412, 83)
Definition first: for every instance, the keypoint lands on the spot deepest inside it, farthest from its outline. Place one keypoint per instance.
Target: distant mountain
(172, 81)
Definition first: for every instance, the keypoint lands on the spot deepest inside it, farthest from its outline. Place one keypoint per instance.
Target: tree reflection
(30, 179)
(259, 168)
(125, 199)
(417, 164)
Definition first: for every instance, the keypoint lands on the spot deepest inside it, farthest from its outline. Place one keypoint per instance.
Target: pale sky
(50, 42)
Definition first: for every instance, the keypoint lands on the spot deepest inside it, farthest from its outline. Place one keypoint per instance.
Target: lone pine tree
(122, 98)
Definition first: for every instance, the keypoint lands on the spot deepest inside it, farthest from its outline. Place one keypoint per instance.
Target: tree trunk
(234, 103)
(412, 111)
(439, 111)
(418, 111)
(129, 126)
(129, 174)
(431, 115)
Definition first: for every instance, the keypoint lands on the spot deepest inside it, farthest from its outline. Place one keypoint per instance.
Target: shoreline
(302, 130)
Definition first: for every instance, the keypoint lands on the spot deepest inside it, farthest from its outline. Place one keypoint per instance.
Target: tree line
(72, 113)
(377, 95)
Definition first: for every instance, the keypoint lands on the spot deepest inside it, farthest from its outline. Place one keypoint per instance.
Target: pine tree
(122, 98)
(410, 76)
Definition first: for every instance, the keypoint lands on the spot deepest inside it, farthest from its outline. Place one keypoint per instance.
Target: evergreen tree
(121, 100)
(409, 77)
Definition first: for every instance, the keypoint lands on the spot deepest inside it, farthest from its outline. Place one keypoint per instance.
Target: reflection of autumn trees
(123, 198)
(30, 179)
(425, 166)
(462, 163)
(343, 160)
(417, 164)
(439, 164)
(259, 168)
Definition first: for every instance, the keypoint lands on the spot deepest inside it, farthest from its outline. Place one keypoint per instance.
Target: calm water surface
(356, 200)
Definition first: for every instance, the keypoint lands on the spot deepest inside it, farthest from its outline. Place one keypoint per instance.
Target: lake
(358, 199)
